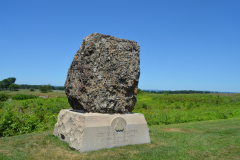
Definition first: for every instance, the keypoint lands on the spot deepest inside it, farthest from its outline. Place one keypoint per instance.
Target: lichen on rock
(103, 76)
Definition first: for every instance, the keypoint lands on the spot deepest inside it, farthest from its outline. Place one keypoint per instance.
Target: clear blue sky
(185, 44)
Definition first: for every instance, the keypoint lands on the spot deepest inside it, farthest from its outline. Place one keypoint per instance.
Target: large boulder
(104, 74)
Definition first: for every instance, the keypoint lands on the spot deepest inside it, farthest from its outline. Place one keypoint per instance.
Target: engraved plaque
(118, 125)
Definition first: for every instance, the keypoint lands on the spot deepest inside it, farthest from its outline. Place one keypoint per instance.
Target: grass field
(26, 116)
(181, 108)
(218, 139)
(52, 94)
(171, 136)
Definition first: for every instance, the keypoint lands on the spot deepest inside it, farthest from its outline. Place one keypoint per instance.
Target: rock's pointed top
(99, 35)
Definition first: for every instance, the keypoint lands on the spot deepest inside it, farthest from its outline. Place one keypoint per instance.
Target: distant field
(218, 139)
(181, 108)
(53, 94)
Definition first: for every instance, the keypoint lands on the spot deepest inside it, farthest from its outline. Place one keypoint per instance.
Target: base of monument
(93, 131)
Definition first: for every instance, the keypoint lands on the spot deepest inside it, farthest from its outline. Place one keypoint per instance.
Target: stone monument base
(93, 131)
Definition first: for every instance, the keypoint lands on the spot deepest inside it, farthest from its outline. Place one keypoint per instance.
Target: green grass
(180, 108)
(218, 139)
(25, 116)
(52, 94)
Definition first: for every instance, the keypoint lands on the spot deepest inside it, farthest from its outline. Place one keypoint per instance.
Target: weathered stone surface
(92, 131)
(103, 76)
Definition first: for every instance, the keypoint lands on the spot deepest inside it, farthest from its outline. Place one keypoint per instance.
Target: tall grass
(25, 116)
(169, 109)
(53, 94)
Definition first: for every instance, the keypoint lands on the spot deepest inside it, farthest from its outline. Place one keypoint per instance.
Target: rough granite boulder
(104, 74)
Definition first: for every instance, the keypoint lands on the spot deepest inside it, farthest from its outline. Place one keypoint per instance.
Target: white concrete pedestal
(92, 131)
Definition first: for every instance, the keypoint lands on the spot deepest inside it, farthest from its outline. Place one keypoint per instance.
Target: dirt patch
(177, 130)
(4, 151)
(229, 150)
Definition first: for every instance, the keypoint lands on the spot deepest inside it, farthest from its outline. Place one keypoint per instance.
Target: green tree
(165, 94)
(14, 87)
(139, 91)
(45, 88)
(7, 82)
(11, 80)
(49, 87)
(1, 85)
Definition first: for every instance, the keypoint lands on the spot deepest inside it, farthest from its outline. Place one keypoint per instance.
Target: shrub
(1, 105)
(14, 87)
(26, 116)
(23, 97)
(3, 97)
(165, 94)
(144, 105)
(31, 89)
(177, 107)
(139, 91)
(45, 88)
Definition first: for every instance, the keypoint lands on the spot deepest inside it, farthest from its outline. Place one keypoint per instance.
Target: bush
(139, 91)
(14, 87)
(3, 97)
(1, 105)
(45, 88)
(26, 116)
(144, 105)
(31, 89)
(23, 97)
(165, 94)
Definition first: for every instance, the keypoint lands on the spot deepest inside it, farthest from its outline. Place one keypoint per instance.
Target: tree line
(9, 83)
(176, 92)
(26, 86)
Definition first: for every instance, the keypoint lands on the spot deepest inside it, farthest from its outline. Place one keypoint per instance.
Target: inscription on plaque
(118, 124)
(119, 134)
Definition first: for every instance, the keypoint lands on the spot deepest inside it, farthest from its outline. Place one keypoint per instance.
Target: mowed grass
(53, 94)
(218, 139)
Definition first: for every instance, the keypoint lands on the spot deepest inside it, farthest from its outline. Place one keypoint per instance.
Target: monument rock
(103, 76)
(93, 131)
